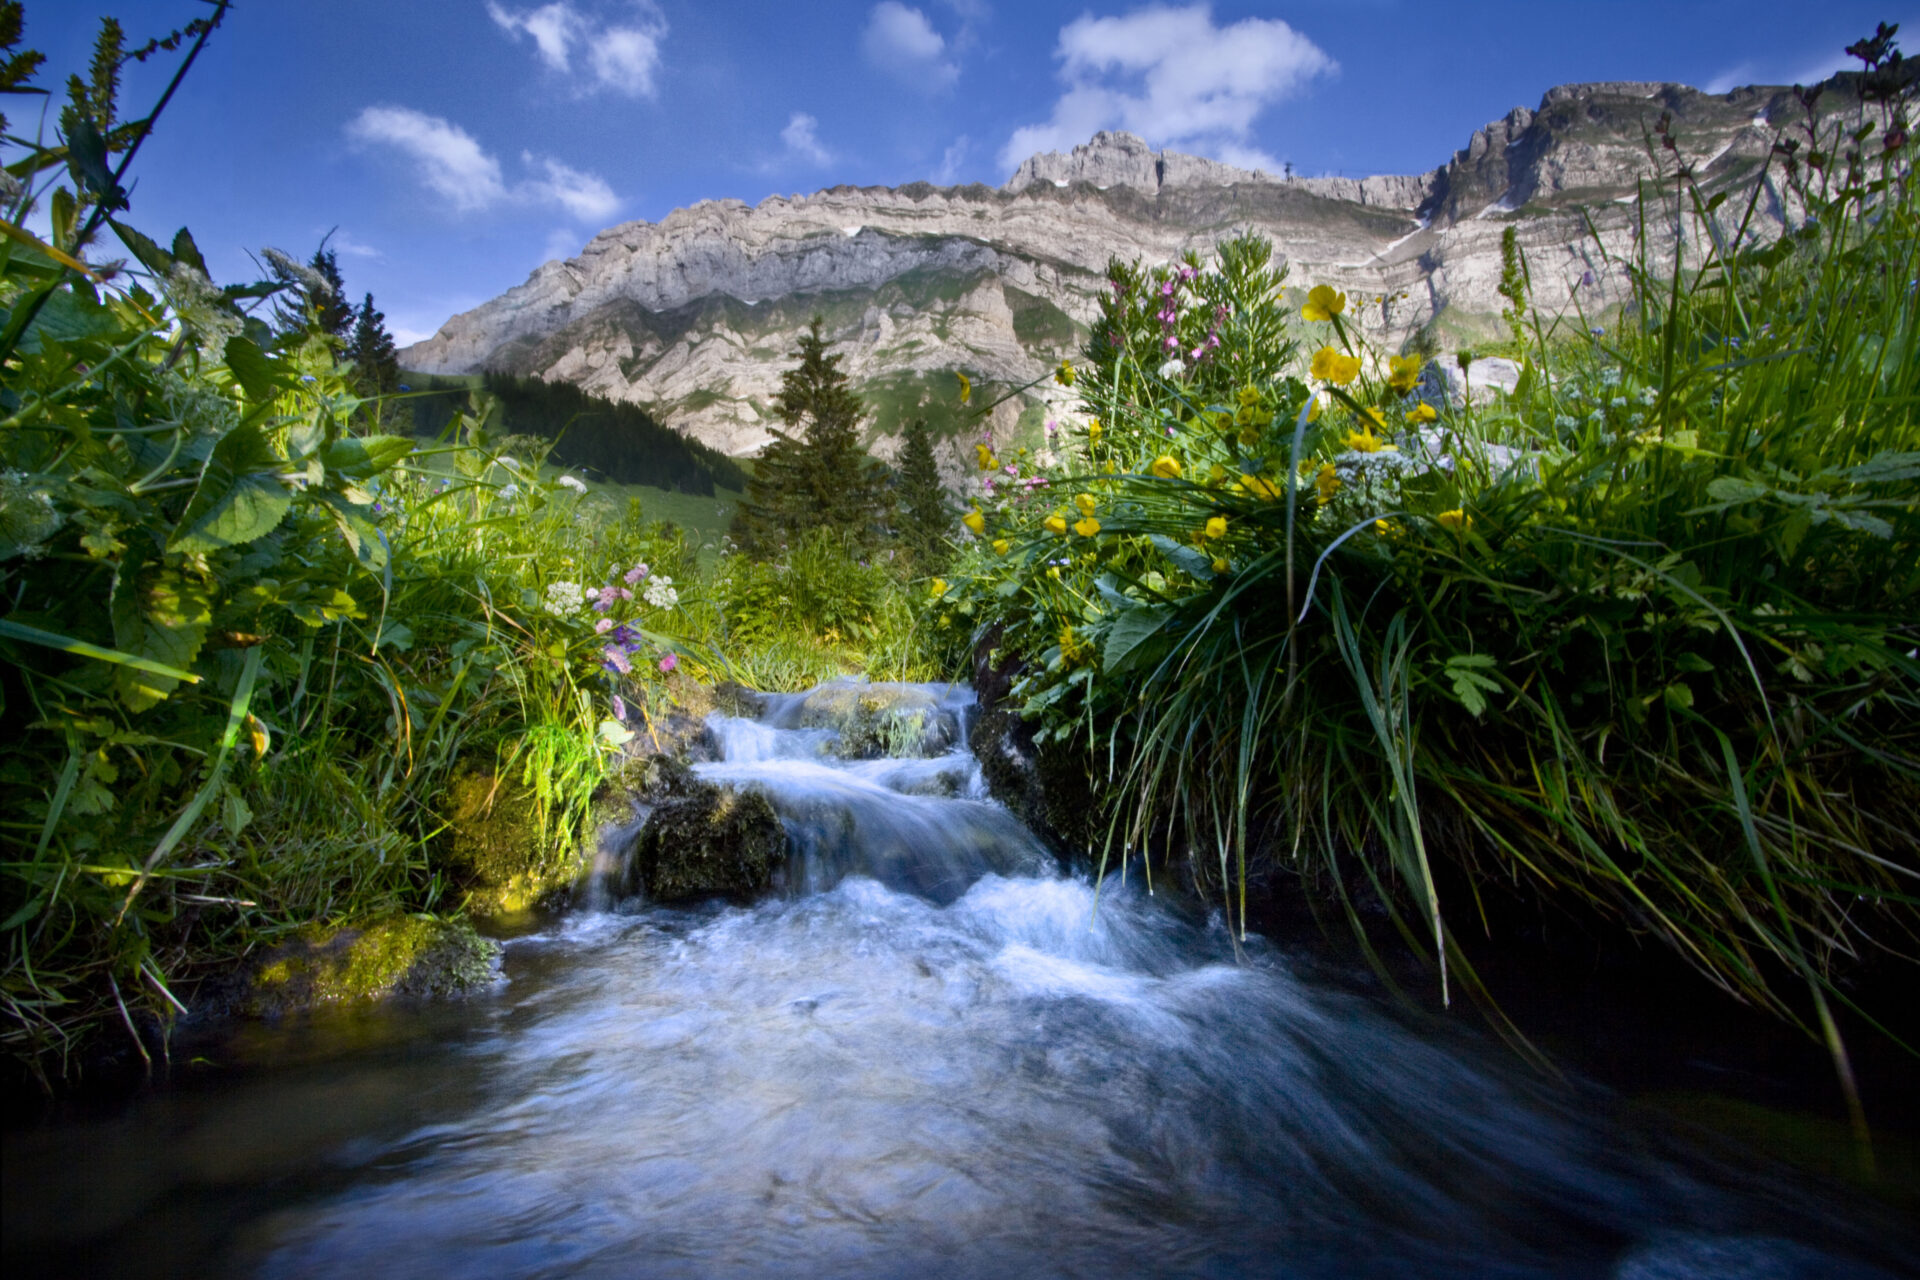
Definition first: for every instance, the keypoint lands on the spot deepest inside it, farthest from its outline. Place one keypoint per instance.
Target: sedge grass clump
(1636, 640)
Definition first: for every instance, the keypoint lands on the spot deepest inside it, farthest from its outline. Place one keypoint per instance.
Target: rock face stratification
(695, 316)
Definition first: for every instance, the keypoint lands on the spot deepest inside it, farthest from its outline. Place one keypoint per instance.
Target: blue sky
(457, 144)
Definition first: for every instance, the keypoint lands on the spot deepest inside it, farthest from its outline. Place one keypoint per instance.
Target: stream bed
(932, 1054)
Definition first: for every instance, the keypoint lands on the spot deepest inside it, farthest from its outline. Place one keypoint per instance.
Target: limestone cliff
(695, 316)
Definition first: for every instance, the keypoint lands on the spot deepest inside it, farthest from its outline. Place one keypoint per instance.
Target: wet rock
(879, 720)
(678, 728)
(710, 841)
(494, 846)
(398, 955)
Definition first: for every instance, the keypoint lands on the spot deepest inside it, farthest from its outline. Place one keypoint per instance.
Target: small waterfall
(871, 780)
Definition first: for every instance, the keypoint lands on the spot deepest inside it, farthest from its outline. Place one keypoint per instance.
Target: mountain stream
(931, 1054)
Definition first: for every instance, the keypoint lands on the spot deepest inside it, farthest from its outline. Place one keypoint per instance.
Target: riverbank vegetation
(1635, 642)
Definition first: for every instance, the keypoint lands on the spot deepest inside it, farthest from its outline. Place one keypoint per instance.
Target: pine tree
(814, 474)
(318, 298)
(376, 371)
(926, 519)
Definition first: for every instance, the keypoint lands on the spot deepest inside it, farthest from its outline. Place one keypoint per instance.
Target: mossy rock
(1046, 786)
(401, 955)
(493, 846)
(880, 720)
(712, 842)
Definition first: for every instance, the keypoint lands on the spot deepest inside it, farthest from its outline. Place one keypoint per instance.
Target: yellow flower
(1260, 487)
(1249, 397)
(1421, 413)
(937, 588)
(1403, 372)
(1330, 365)
(1216, 527)
(1314, 407)
(1000, 546)
(1387, 528)
(1072, 648)
(984, 456)
(1364, 442)
(1093, 428)
(1457, 520)
(966, 388)
(1216, 473)
(1326, 482)
(1086, 528)
(1056, 523)
(1324, 302)
(1373, 419)
(975, 522)
(1219, 564)
(1085, 502)
(1166, 466)
(1064, 374)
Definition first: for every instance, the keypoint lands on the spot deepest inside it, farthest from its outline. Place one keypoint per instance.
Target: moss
(399, 955)
(880, 720)
(493, 846)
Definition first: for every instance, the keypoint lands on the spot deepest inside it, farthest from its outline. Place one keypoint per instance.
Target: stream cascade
(931, 1052)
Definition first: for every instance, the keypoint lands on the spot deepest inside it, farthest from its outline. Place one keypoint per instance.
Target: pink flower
(619, 707)
(669, 662)
(616, 659)
(634, 575)
(603, 626)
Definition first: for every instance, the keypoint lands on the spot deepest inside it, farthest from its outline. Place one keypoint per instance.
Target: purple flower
(632, 576)
(668, 663)
(619, 707)
(616, 659)
(1173, 342)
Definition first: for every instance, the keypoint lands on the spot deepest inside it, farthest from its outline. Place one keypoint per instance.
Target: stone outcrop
(695, 316)
(392, 956)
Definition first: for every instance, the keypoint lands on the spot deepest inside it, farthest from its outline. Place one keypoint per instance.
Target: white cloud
(1174, 77)
(803, 140)
(343, 243)
(902, 42)
(585, 195)
(950, 161)
(455, 166)
(622, 54)
(405, 337)
(451, 163)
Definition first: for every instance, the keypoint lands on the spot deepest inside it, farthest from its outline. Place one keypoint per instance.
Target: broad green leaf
(87, 162)
(1861, 522)
(1130, 629)
(68, 316)
(160, 614)
(151, 255)
(356, 525)
(363, 457)
(1735, 489)
(240, 496)
(1677, 696)
(250, 368)
(185, 250)
(1185, 558)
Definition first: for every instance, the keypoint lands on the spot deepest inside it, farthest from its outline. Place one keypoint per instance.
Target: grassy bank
(1633, 643)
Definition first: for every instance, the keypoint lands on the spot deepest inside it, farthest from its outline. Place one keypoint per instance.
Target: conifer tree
(370, 350)
(926, 519)
(814, 474)
(321, 302)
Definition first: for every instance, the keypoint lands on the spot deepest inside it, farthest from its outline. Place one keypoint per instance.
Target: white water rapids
(931, 1055)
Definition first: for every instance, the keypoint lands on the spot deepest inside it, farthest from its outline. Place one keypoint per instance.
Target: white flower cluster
(564, 598)
(661, 594)
(200, 307)
(574, 483)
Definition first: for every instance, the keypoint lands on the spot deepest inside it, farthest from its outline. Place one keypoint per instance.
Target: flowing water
(930, 1055)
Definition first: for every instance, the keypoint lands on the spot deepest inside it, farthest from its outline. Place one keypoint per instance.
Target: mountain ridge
(693, 316)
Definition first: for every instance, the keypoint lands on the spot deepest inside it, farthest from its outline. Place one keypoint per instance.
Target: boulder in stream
(875, 721)
(708, 841)
(396, 955)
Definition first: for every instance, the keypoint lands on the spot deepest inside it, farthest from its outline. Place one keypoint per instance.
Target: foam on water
(1000, 1071)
